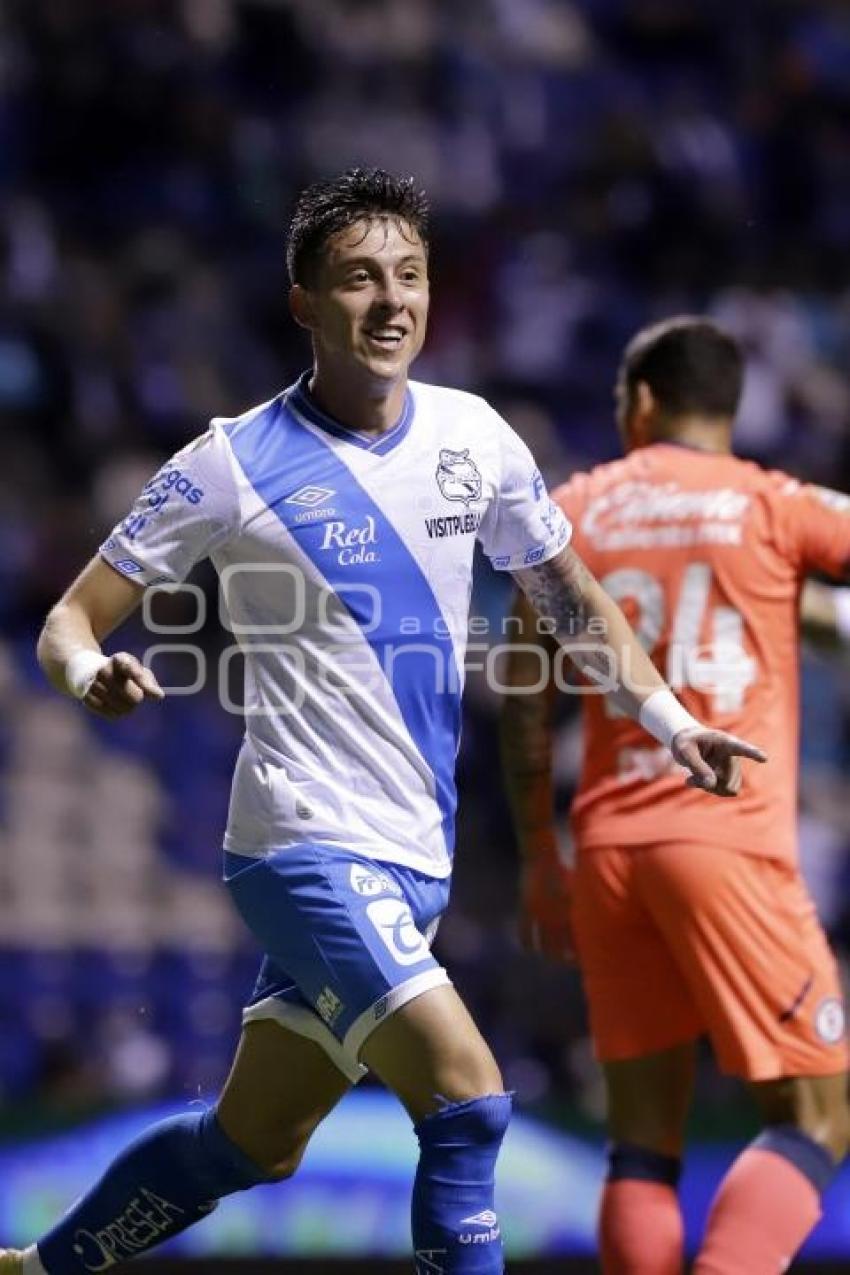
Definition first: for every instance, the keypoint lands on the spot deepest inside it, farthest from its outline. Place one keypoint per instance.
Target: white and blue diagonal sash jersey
(346, 567)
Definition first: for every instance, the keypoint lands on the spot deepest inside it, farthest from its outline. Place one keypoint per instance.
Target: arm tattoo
(557, 591)
(561, 590)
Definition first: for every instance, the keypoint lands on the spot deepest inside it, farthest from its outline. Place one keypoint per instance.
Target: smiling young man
(341, 517)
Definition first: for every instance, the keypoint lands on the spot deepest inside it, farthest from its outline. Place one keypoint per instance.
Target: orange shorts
(675, 940)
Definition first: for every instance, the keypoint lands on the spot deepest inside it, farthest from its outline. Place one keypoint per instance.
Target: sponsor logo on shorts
(829, 1020)
(369, 883)
(394, 923)
(329, 1006)
(490, 1231)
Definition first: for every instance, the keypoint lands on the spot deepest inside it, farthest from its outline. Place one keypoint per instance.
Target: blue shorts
(347, 941)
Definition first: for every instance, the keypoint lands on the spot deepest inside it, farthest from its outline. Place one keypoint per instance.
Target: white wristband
(81, 670)
(841, 599)
(663, 716)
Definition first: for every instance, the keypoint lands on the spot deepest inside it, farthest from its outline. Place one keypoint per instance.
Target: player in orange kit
(689, 916)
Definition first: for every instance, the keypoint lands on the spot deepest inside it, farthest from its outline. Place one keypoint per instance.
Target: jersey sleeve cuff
(535, 554)
(130, 565)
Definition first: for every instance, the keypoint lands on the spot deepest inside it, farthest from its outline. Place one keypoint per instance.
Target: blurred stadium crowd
(593, 165)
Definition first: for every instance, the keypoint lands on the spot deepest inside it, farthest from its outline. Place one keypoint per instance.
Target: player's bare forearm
(67, 629)
(69, 645)
(592, 628)
(526, 734)
(595, 634)
(95, 604)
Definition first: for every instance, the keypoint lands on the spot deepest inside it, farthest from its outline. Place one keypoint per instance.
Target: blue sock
(171, 1176)
(455, 1228)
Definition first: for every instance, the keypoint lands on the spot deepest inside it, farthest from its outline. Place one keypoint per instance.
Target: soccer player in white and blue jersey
(341, 517)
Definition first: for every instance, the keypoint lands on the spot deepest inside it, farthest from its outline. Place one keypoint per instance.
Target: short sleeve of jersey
(815, 522)
(571, 498)
(188, 508)
(522, 526)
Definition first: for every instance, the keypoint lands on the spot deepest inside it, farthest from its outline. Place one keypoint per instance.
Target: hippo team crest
(458, 477)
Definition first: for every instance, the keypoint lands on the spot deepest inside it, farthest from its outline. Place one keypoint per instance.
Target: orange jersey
(706, 554)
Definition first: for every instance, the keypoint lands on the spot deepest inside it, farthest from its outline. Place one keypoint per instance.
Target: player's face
(370, 305)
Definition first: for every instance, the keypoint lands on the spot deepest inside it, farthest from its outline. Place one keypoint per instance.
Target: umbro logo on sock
(490, 1232)
(487, 1218)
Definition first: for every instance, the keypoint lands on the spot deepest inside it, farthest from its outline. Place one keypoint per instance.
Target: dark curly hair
(326, 207)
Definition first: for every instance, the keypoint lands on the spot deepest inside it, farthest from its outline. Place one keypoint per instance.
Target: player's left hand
(714, 759)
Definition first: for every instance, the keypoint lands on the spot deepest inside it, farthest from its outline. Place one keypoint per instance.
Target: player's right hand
(714, 759)
(120, 686)
(545, 924)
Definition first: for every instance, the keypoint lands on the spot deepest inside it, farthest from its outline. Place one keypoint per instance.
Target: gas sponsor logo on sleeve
(169, 484)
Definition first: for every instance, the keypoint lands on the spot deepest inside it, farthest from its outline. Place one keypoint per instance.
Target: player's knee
(469, 1074)
(280, 1158)
(477, 1122)
(276, 1154)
